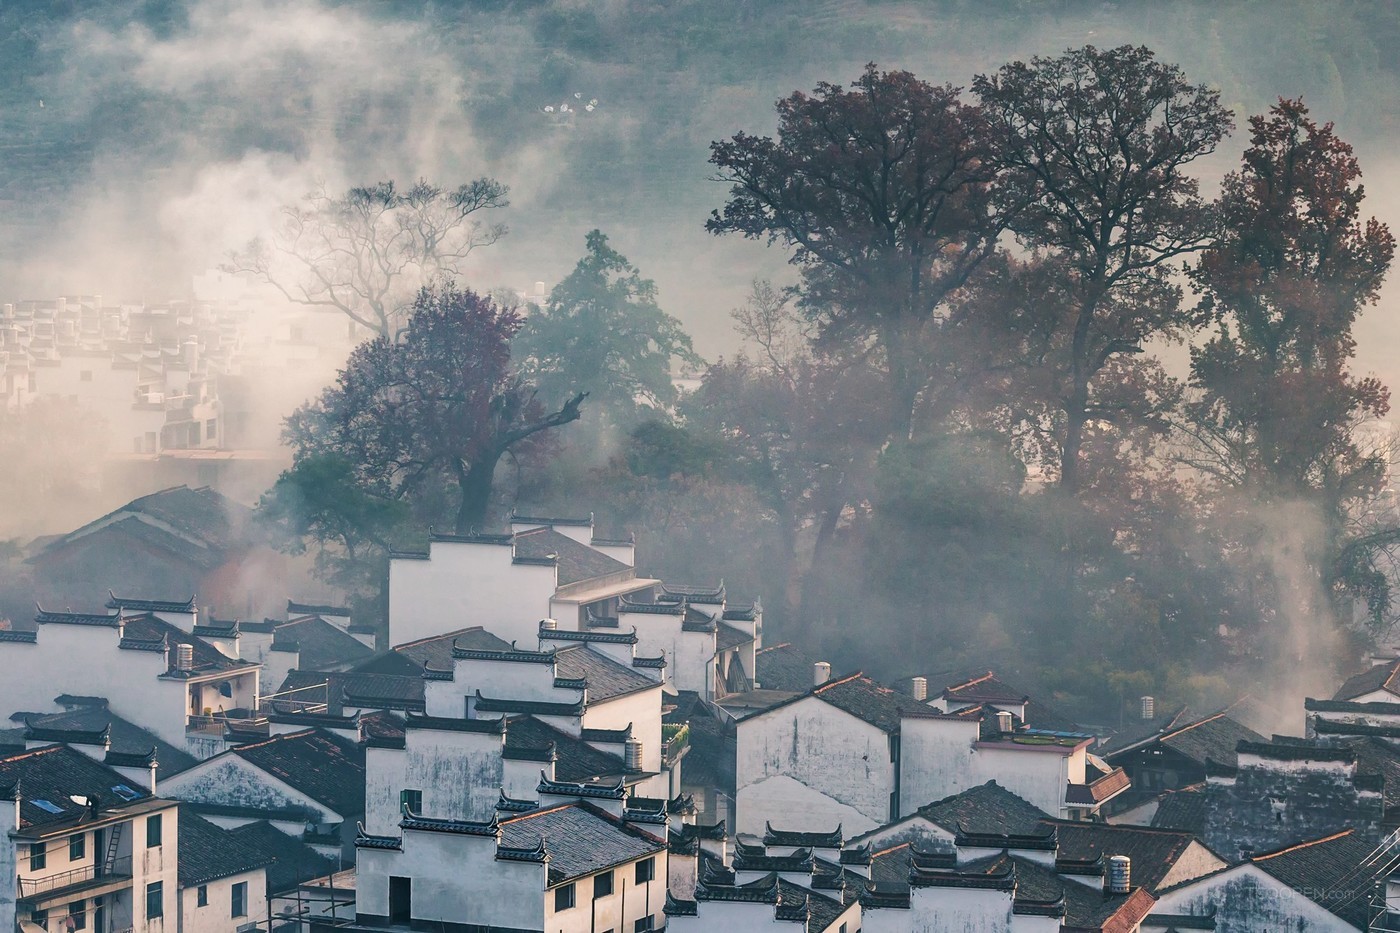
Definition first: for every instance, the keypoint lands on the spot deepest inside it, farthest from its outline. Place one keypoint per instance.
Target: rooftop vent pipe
(821, 673)
(1120, 874)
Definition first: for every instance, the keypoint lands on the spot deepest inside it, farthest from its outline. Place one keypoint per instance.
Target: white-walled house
(151, 672)
(1321, 886)
(543, 569)
(856, 753)
(576, 865)
(79, 842)
(309, 784)
(223, 879)
(589, 685)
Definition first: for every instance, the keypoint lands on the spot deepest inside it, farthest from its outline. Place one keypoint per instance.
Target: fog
(168, 134)
(145, 141)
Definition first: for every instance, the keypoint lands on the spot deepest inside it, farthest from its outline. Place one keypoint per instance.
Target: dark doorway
(400, 900)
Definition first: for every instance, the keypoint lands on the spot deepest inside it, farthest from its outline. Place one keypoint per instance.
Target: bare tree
(369, 251)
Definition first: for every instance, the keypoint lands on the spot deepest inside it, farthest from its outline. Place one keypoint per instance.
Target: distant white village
(548, 739)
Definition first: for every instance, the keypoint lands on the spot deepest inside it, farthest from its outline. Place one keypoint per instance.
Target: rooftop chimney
(1149, 708)
(1004, 722)
(918, 688)
(821, 673)
(1120, 874)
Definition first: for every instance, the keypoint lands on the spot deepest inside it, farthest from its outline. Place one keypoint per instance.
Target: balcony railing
(675, 738)
(119, 870)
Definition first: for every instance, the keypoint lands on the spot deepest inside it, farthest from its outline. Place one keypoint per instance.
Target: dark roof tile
(55, 774)
(1379, 677)
(126, 737)
(209, 852)
(326, 768)
(292, 861)
(1330, 871)
(606, 678)
(576, 562)
(580, 838)
(785, 667)
(319, 644)
(985, 809)
(575, 760)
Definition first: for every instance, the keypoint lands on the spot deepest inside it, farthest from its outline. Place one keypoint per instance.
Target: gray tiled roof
(575, 760)
(205, 524)
(326, 768)
(319, 644)
(988, 809)
(576, 562)
(207, 658)
(127, 738)
(1379, 677)
(57, 773)
(1330, 872)
(606, 677)
(1154, 851)
(727, 636)
(292, 861)
(208, 852)
(872, 702)
(580, 838)
(785, 667)
(1183, 809)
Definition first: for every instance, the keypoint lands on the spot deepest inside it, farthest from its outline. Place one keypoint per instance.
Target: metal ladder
(110, 861)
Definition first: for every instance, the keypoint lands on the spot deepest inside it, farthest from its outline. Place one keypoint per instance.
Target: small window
(602, 885)
(240, 899)
(201, 896)
(39, 918)
(843, 928)
(153, 831)
(155, 900)
(564, 897)
(644, 924)
(77, 847)
(412, 800)
(211, 427)
(646, 870)
(77, 912)
(38, 856)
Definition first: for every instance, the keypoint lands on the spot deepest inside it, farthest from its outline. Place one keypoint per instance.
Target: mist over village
(548, 466)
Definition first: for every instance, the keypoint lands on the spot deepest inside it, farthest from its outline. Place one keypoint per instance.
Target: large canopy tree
(442, 405)
(602, 331)
(881, 193)
(367, 252)
(1278, 410)
(1094, 145)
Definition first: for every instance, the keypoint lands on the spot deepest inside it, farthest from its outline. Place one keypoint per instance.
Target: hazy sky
(136, 155)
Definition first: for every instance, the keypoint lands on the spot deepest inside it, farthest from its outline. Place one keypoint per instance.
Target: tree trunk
(474, 485)
(1074, 440)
